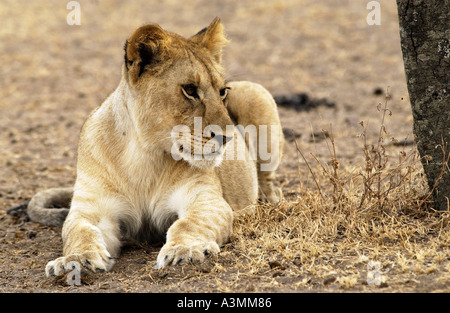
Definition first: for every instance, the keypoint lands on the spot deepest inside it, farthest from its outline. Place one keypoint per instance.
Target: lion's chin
(205, 162)
(200, 161)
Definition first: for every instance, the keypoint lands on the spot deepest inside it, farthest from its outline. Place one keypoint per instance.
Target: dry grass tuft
(379, 211)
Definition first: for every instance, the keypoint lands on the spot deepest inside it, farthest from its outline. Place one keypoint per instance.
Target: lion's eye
(224, 92)
(190, 91)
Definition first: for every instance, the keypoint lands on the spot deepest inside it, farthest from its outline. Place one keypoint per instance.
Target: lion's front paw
(92, 261)
(172, 253)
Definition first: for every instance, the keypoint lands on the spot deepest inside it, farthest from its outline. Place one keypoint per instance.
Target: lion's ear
(212, 38)
(144, 50)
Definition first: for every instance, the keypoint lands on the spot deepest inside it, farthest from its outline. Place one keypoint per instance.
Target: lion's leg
(205, 225)
(91, 237)
(251, 104)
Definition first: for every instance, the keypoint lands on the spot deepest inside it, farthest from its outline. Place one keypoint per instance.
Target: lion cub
(137, 180)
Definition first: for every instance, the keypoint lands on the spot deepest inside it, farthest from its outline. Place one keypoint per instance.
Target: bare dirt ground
(53, 75)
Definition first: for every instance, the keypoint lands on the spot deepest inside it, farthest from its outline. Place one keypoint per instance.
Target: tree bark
(425, 41)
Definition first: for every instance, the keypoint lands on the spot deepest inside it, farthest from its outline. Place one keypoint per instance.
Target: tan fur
(130, 187)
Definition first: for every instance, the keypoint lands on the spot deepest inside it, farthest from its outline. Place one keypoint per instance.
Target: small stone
(329, 280)
(276, 264)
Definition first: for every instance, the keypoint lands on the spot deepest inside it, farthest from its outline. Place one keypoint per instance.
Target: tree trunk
(425, 36)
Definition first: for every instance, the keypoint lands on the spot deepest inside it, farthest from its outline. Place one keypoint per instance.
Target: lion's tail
(51, 206)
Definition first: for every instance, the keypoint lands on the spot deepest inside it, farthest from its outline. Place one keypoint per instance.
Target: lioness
(136, 180)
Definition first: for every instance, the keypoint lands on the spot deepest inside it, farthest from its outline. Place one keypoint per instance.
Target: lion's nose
(220, 138)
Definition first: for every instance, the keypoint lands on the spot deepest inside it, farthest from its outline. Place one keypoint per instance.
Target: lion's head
(178, 92)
